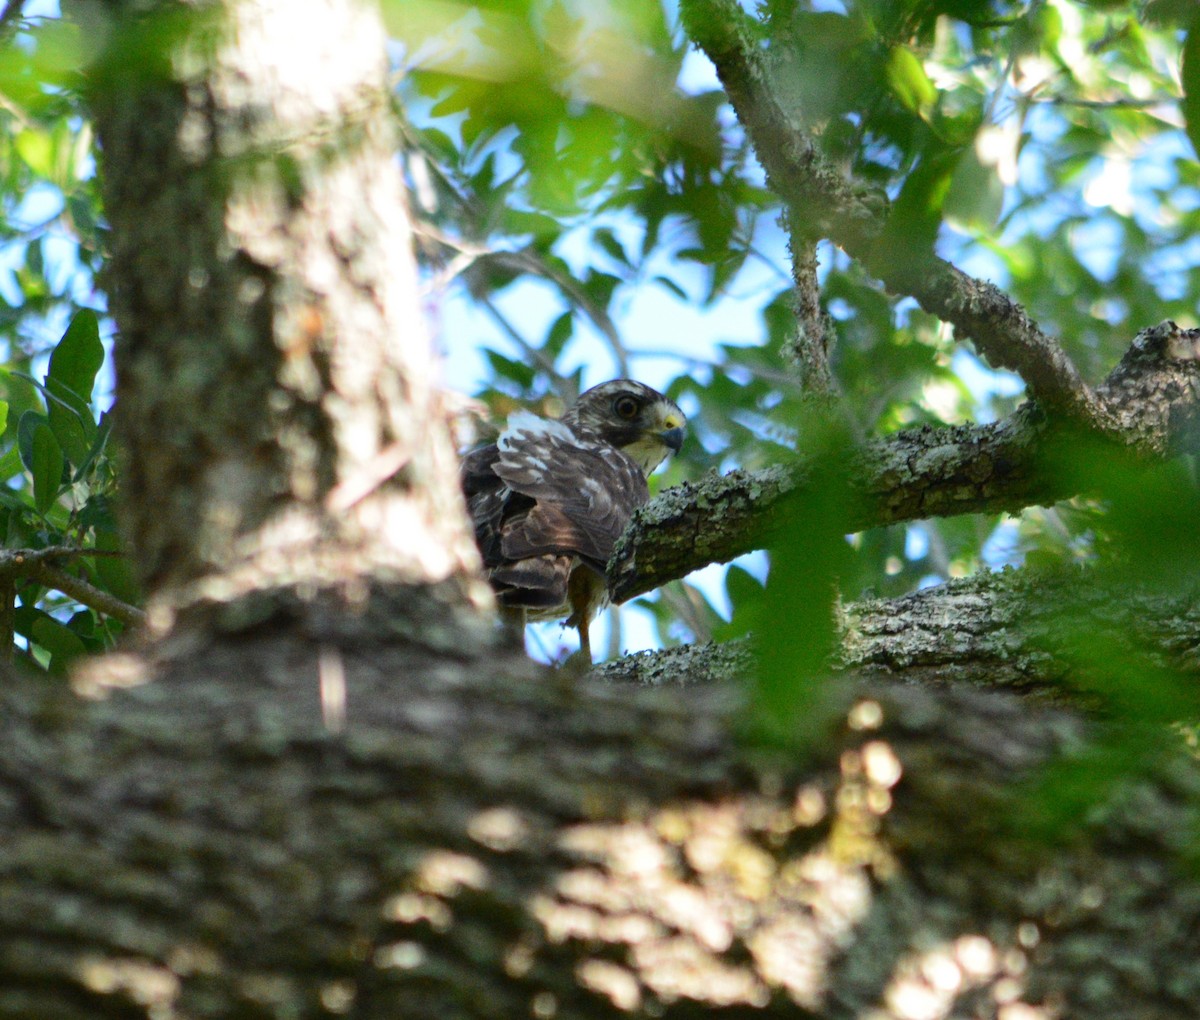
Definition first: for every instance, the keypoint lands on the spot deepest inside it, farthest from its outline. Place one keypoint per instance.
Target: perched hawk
(550, 498)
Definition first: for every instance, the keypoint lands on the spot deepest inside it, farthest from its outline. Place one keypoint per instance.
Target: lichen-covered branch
(1026, 630)
(716, 663)
(708, 521)
(807, 351)
(912, 475)
(1049, 631)
(853, 216)
(1024, 460)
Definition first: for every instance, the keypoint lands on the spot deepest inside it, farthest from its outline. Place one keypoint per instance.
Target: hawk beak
(673, 438)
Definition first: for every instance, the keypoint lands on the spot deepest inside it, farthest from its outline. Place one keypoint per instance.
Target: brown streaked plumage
(550, 498)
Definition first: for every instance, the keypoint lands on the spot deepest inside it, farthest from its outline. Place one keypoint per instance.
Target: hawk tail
(539, 582)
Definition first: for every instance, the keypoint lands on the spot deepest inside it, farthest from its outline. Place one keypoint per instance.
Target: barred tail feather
(539, 582)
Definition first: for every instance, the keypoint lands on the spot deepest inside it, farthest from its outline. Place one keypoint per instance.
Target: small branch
(85, 593)
(38, 565)
(1126, 103)
(808, 349)
(15, 559)
(1005, 334)
(534, 354)
(819, 196)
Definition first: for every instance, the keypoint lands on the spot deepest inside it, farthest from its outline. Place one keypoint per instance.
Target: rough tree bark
(322, 788)
(262, 271)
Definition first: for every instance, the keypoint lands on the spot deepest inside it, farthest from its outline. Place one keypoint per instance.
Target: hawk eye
(626, 407)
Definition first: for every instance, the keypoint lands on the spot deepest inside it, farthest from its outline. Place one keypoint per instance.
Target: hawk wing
(569, 494)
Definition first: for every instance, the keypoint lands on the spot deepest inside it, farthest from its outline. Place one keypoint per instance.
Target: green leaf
(670, 285)
(70, 419)
(69, 383)
(517, 371)
(103, 431)
(71, 428)
(975, 196)
(26, 427)
(906, 243)
(1190, 75)
(78, 356)
(10, 464)
(60, 641)
(36, 148)
(115, 573)
(560, 332)
(47, 467)
(909, 82)
(791, 696)
(607, 240)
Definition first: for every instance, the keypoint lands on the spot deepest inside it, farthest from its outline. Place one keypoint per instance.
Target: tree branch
(685, 665)
(39, 565)
(807, 351)
(85, 593)
(1023, 460)
(1025, 630)
(818, 195)
(1041, 630)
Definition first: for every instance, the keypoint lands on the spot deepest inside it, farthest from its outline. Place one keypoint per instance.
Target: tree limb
(1025, 630)
(807, 351)
(1023, 460)
(818, 195)
(712, 663)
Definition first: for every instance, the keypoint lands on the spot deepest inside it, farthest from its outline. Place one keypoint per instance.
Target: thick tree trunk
(278, 404)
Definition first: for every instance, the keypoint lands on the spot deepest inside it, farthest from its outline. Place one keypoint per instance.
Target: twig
(14, 559)
(471, 254)
(1127, 103)
(535, 354)
(83, 592)
(808, 349)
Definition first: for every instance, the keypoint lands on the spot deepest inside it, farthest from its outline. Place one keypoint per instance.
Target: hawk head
(639, 421)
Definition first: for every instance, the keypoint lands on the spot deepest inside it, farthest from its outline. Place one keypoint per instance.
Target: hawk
(550, 497)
